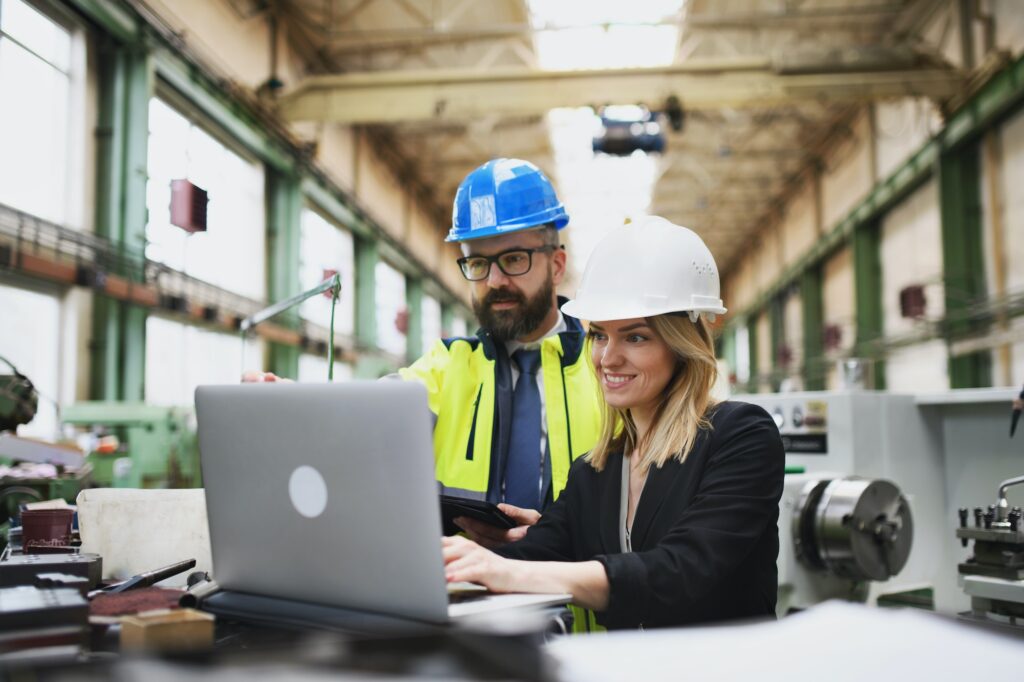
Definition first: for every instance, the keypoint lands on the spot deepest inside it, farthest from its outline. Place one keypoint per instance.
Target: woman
(671, 518)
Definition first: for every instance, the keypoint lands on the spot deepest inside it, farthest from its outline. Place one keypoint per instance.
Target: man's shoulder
(452, 341)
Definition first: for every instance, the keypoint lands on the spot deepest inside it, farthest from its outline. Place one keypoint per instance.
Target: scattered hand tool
(148, 578)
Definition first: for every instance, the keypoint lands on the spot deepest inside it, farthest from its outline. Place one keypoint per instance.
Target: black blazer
(705, 537)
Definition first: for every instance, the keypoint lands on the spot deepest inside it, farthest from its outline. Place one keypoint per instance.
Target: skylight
(601, 192)
(605, 34)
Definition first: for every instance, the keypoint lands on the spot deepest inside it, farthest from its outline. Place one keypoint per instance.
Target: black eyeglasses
(513, 263)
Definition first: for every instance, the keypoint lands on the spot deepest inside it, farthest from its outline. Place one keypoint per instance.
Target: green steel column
(813, 316)
(122, 139)
(140, 82)
(367, 254)
(414, 330)
(754, 383)
(867, 282)
(963, 259)
(728, 352)
(105, 348)
(284, 216)
(776, 323)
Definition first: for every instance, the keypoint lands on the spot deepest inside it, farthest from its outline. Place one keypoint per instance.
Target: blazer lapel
(610, 501)
(656, 489)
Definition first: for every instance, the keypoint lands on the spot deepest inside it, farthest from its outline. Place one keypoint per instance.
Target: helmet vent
(703, 268)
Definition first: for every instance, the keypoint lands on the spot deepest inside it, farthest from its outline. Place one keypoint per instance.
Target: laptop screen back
(324, 493)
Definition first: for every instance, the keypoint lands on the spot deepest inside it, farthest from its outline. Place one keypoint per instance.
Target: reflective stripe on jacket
(469, 388)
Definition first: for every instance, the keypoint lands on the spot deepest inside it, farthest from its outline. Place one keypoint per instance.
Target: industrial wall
(879, 145)
(96, 122)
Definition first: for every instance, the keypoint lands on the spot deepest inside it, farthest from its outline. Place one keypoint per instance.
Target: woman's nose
(611, 356)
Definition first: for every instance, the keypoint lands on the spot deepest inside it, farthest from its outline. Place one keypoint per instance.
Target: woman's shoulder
(582, 467)
(736, 412)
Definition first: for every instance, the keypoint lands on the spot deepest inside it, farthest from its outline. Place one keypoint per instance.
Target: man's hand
(255, 377)
(1018, 404)
(489, 536)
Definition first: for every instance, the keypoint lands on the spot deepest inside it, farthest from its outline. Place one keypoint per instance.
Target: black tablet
(454, 507)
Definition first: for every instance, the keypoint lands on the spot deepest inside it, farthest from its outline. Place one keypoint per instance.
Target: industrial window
(180, 357)
(390, 303)
(325, 247)
(36, 154)
(431, 321)
(31, 342)
(230, 253)
(459, 327)
(313, 369)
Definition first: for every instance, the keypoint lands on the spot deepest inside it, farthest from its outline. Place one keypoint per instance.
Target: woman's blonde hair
(686, 399)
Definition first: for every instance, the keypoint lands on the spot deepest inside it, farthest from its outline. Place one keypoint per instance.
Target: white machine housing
(872, 435)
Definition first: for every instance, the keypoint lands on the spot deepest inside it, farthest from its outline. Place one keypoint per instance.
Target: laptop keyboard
(461, 593)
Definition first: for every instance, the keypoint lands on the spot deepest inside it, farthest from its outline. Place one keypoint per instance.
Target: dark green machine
(18, 399)
(32, 478)
(138, 445)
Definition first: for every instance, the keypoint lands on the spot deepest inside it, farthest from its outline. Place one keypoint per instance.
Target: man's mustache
(502, 296)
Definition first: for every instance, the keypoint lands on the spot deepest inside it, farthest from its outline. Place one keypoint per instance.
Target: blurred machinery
(868, 467)
(18, 399)
(993, 576)
(30, 470)
(134, 445)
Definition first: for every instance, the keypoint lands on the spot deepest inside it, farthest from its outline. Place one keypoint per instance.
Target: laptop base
(287, 613)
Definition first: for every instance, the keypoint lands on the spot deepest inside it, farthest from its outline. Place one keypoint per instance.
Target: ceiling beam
(388, 97)
(362, 41)
(833, 17)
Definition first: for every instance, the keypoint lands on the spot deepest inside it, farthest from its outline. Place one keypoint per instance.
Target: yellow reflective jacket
(469, 389)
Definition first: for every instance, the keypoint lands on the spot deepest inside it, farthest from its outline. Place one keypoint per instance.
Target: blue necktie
(523, 471)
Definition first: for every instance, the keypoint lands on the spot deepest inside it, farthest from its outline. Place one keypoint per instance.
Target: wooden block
(167, 630)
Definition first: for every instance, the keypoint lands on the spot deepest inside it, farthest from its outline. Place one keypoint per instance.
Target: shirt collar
(560, 326)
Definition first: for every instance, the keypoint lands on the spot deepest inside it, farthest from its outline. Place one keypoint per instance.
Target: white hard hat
(648, 268)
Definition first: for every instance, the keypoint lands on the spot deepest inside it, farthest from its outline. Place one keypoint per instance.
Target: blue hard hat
(502, 196)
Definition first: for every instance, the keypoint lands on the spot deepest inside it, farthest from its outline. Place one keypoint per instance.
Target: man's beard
(506, 325)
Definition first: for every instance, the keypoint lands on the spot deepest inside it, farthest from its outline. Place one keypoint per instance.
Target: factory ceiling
(764, 86)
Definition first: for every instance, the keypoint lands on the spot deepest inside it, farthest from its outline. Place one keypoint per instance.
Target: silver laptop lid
(324, 493)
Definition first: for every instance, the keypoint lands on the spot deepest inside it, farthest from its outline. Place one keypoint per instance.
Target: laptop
(325, 494)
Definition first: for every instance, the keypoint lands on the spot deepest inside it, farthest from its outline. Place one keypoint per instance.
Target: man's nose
(496, 279)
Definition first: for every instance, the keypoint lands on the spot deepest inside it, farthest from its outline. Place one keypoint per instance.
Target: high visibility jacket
(469, 389)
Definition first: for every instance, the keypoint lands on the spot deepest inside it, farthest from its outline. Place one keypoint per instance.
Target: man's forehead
(526, 239)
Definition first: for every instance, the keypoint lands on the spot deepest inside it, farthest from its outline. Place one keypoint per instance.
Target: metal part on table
(50, 622)
(854, 528)
(151, 577)
(24, 569)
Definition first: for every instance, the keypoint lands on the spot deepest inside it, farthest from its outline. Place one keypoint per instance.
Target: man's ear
(558, 261)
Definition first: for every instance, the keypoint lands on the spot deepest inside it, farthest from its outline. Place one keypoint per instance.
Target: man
(496, 437)
(517, 402)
